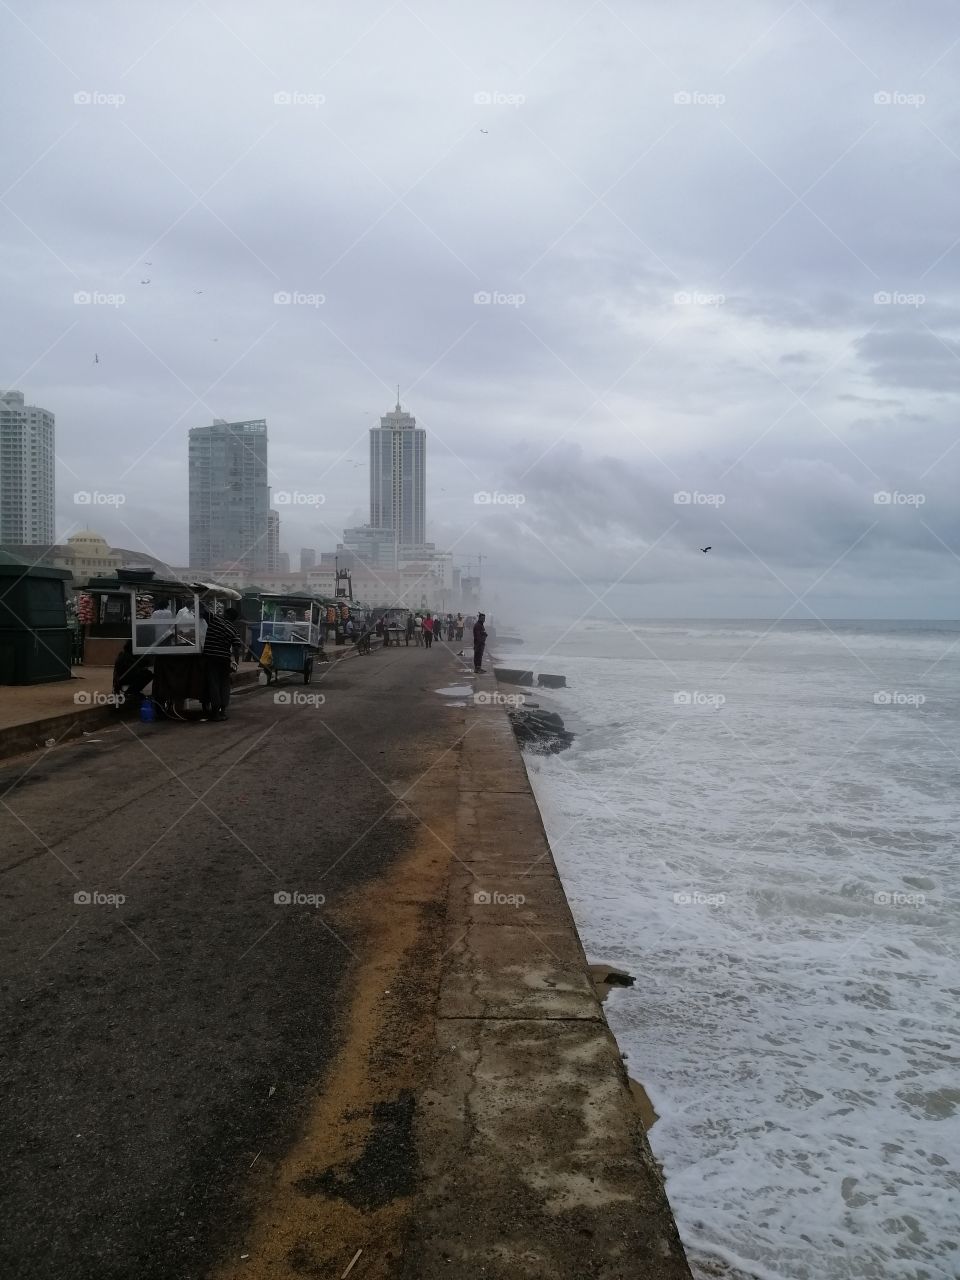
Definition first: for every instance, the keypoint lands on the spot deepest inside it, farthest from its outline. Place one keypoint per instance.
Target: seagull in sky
(706, 549)
(144, 281)
(484, 130)
(96, 358)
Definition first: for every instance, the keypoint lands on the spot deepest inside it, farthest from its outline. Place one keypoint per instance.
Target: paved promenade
(320, 1020)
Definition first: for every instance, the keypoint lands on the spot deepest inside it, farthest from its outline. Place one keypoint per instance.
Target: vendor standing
(221, 654)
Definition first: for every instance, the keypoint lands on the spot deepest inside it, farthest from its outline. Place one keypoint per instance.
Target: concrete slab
(515, 971)
(503, 899)
(559, 1181)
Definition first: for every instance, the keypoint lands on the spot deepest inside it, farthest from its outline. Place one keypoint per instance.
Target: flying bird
(96, 358)
(148, 264)
(144, 281)
(706, 549)
(198, 291)
(484, 130)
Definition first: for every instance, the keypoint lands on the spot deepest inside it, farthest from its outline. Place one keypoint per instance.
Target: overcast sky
(683, 215)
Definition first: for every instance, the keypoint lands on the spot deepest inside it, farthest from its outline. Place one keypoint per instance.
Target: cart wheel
(307, 670)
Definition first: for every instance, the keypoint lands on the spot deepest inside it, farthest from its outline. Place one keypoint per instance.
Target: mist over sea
(761, 823)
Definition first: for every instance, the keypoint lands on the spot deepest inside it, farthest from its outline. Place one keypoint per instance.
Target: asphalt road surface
(153, 1048)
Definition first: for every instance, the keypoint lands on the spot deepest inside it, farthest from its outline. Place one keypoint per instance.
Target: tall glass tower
(229, 496)
(398, 477)
(26, 471)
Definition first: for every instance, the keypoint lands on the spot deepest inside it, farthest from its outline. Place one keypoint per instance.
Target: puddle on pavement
(605, 977)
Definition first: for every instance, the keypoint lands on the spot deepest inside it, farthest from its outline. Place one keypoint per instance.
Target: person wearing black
(409, 631)
(479, 640)
(131, 675)
(221, 653)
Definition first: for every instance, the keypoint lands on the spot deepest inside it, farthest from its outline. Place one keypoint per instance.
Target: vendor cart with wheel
(291, 635)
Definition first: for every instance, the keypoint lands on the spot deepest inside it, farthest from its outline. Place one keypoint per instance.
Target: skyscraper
(273, 541)
(308, 558)
(398, 469)
(27, 495)
(229, 495)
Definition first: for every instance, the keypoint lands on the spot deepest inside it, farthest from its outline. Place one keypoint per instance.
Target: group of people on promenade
(424, 628)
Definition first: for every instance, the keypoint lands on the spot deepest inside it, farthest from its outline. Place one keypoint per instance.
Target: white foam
(798, 1036)
(455, 691)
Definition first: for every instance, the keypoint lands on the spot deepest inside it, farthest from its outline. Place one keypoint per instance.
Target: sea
(760, 822)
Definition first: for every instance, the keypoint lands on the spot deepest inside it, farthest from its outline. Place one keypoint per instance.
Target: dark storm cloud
(682, 220)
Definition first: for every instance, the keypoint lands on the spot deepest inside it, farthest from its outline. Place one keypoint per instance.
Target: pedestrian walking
(458, 627)
(428, 630)
(418, 629)
(409, 631)
(479, 642)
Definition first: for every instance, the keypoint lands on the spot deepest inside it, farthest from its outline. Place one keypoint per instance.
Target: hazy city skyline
(614, 254)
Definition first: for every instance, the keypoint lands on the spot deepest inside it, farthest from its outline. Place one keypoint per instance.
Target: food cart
(163, 620)
(291, 634)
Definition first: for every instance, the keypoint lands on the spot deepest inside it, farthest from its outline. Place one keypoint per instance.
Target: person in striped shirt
(221, 653)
